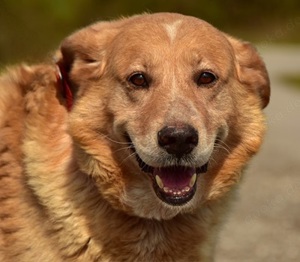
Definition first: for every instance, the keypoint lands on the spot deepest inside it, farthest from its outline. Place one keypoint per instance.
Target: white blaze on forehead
(172, 29)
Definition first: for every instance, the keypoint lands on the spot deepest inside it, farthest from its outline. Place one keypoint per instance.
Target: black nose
(178, 139)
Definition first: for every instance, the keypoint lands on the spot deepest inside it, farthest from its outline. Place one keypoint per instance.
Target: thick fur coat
(130, 146)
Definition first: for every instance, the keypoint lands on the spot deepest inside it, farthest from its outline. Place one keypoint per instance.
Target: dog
(130, 145)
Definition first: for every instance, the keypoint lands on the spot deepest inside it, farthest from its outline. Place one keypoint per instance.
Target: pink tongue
(175, 177)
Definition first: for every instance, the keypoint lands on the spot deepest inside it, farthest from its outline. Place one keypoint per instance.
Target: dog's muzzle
(175, 184)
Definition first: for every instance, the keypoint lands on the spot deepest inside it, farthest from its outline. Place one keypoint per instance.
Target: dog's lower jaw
(144, 203)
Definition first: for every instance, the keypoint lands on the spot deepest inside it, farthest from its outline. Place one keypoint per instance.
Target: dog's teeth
(159, 182)
(166, 189)
(187, 189)
(193, 180)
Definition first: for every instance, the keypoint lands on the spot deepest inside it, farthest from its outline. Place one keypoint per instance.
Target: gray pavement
(264, 225)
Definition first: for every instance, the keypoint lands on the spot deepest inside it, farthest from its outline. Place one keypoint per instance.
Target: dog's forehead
(156, 41)
(171, 26)
(162, 32)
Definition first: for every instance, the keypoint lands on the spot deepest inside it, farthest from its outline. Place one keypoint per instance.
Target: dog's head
(167, 110)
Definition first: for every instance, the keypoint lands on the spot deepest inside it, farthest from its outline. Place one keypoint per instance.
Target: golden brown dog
(130, 146)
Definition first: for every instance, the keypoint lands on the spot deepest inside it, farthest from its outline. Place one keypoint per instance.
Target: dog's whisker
(126, 158)
(212, 160)
(123, 148)
(114, 141)
(222, 146)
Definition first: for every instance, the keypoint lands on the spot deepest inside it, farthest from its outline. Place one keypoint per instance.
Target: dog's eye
(138, 79)
(206, 78)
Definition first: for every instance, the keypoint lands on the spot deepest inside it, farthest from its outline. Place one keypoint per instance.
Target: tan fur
(70, 186)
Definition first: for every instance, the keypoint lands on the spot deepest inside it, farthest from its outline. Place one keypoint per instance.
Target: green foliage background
(31, 28)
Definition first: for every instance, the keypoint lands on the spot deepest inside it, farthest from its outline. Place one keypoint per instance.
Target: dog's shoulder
(22, 89)
(27, 93)
(20, 81)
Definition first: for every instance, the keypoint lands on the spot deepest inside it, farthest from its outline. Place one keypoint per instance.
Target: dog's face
(167, 110)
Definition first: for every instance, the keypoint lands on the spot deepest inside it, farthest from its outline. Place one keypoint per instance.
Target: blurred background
(264, 225)
(30, 28)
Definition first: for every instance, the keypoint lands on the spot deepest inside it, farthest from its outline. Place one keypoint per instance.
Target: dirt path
(265, 223)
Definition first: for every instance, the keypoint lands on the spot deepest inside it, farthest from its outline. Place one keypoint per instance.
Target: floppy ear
(251, 69)
(81, 56)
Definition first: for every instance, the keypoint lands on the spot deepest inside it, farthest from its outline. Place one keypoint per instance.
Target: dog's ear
(81, 58)
(82, 54)
(251, 69)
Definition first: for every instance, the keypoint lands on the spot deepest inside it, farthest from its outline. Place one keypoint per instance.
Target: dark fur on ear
(251, 69)
(82, 55)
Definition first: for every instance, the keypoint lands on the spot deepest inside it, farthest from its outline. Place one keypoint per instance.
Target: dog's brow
(172, 29)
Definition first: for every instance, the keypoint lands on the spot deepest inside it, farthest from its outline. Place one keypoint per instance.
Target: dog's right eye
(138, 80)
(206, 78)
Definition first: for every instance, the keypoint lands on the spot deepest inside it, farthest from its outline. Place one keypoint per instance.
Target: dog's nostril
(178, 140)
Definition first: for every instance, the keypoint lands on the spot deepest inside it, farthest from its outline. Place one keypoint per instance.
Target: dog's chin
(174, 185)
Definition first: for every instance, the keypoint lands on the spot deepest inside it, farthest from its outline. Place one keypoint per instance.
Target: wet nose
(178, 140)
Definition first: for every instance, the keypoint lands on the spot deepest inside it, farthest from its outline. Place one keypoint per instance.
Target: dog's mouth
(174, 185)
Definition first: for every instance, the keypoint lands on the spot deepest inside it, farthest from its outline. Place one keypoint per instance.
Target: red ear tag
(65, 89)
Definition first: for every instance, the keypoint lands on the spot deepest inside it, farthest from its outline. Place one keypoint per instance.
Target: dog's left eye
(138, 79)
(206, 78)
